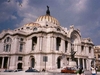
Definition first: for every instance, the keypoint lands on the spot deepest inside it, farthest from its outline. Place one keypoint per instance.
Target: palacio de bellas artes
(44, 44)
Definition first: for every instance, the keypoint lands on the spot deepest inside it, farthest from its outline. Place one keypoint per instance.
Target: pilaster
(40, 43)
(78, 61)
(2, 62)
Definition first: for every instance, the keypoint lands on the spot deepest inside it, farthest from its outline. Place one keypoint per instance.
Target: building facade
(97, 56)
(44, 44)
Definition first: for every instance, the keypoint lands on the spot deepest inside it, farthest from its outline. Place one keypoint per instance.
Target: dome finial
(48, 11)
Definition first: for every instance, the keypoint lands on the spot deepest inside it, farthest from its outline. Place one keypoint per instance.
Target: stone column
(51, 43)
(86, 64)
(26, 61)
(2, 62)
(29, 44)
(85, 50)
(54, 43)
(63, 46)
(15, 45)
(69, 47)
(13, 62)
(40, 42)
(86, 47)
(78, 62)
(77, 53)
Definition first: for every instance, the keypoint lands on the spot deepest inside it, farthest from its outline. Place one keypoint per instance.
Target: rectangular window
(19, 58)
(45, 58)
(98, 56)
(34, 42)
(66, 43)
(67, 59)
(21, 47)
(21, 39)
(7, 48)
(58, 43)
(89, 49)
(4, 48)
(8, 39)
(82, 48)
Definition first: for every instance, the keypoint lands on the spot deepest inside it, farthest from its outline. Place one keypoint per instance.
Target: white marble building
(29, 45)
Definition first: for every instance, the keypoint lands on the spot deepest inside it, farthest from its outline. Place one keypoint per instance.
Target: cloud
(27, 12)
(84, 14)
(13, 17)
(6, 10)
(79, 6)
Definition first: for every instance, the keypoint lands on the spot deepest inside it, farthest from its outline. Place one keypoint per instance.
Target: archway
(32, 62)
(5, 62)
(58, 62)
(19, 66)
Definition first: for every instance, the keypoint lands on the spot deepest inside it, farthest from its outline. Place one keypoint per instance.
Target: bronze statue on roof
(48, 11)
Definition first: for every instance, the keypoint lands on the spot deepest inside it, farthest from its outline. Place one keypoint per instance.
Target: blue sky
(83, 14)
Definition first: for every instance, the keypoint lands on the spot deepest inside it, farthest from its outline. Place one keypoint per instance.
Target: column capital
(40, 36)
(52, 36)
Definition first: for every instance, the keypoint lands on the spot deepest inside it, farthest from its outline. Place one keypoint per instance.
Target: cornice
(26, 35)
(30, 53)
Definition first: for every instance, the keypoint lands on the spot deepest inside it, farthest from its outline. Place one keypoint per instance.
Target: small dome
(47, 18)
(31, 24)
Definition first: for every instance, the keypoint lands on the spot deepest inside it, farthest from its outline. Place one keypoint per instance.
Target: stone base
(72, 64)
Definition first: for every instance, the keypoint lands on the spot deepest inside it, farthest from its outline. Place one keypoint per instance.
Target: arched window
(34, 42)
(21, 44)
(58, 62)
(20, 58)
(27, 27)
(82, 48)
(89, 49)
(19, 66)
(21, 47)
(7, 44)
(34, 29)
(58, 29)
(66, 45)
(32, 62)
(58, 43)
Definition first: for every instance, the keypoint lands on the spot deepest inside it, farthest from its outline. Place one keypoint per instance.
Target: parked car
(68, 70)
(17, 70)
(31, 70)
(8, 70)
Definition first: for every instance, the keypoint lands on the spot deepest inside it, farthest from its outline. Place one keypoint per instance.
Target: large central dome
(47, 18)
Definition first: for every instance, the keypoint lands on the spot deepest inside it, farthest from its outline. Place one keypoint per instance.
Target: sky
(83, 14)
